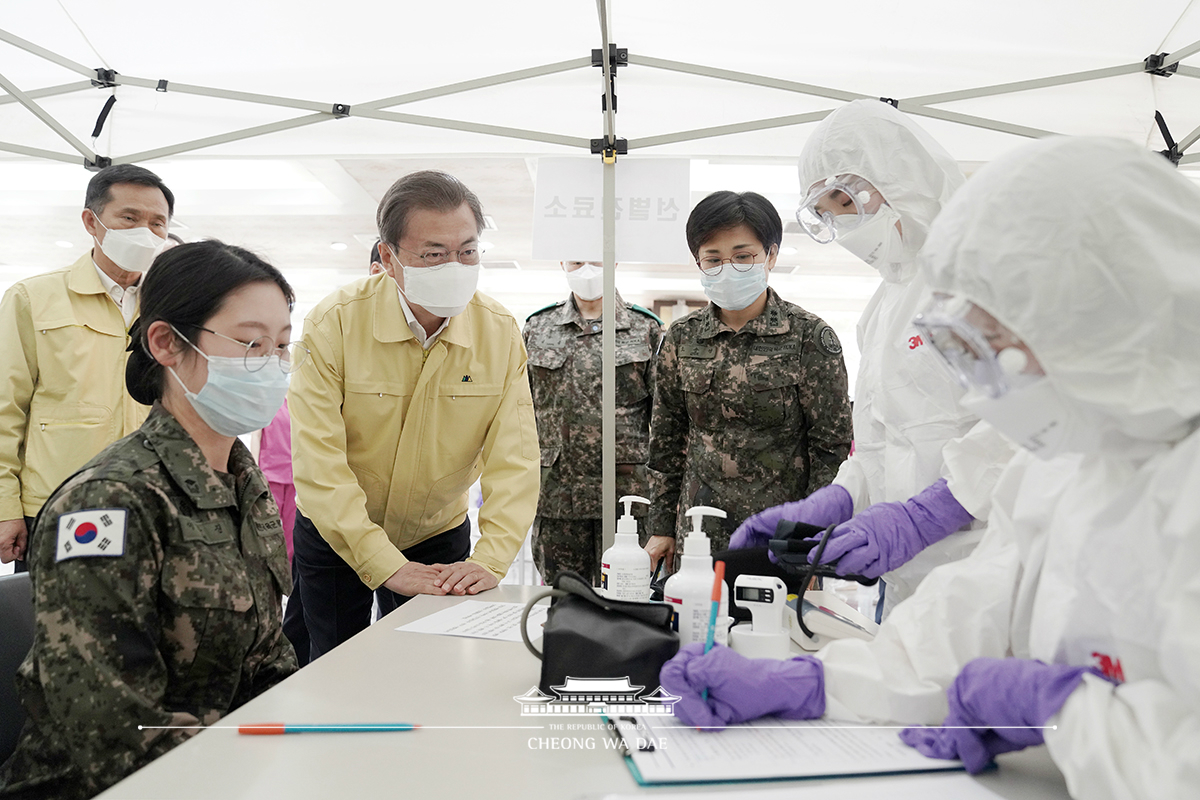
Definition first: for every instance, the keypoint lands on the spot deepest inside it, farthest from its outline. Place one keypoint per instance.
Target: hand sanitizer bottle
(690, 590)
(625, 567)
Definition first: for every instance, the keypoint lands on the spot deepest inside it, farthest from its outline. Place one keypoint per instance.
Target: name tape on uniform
(94, 532)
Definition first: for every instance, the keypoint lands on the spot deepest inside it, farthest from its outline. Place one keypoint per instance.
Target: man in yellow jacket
(62, 349)
(415, 387)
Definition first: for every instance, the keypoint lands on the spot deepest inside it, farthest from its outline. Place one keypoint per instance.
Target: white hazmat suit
(909, 428)
(1089, 251)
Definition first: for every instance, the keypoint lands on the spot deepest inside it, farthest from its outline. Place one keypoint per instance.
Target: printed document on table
(770, 748)
(481, 620)
(900, 787)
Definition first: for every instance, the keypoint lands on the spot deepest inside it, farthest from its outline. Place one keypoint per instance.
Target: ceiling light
(64, 243)
(338, 246)
(485, 246)
(788, 251)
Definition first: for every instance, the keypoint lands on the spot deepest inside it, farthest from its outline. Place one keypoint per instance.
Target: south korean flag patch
(94, 532)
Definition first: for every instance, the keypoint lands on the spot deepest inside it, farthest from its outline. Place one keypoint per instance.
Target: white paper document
(771, 748)
(904, 787)
(481, 620)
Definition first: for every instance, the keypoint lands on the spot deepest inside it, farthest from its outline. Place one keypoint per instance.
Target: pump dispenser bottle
(625, 567)
(690, 590)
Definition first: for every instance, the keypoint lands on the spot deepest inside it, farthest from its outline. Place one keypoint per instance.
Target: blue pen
(718, 581)
(276, 728)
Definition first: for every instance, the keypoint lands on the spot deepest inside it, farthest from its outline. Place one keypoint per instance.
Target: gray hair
(429, 189)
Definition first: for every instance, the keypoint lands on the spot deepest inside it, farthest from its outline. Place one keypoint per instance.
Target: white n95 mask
(878, 242)
(733, 290)
(587, 282)
(444, 290)
(1037, 417)
(131, 249)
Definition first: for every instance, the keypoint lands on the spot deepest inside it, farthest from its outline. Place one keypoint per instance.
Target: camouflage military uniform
(564, 374)
(179, 629)
(745, 420)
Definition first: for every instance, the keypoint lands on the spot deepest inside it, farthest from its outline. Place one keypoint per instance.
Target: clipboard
(663, 751)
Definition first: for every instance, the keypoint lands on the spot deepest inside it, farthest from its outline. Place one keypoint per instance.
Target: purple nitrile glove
(741, 688)
(829, 505)
(997, 705)
(885, 535)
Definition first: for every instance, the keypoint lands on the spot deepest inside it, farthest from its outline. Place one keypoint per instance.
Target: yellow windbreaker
(387, 439)
(62, 362)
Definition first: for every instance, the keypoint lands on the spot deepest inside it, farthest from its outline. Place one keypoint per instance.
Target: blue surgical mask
(235, 400)
(733, 290)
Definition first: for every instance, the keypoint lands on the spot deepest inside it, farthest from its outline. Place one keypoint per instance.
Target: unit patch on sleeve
(827, 341)
(93, 532)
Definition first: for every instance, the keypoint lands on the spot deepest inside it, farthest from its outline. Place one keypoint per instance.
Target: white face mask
(235, 400)
(587, 282)
(131, 249)
(1037, 417)
(878, 242)
(443, 291)
(733, 290)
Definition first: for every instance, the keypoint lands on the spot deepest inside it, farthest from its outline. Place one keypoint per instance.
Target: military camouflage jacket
(156, 585)
(564, 375)
(747, 419)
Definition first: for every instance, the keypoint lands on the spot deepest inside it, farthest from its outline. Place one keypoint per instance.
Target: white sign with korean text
(652, 205)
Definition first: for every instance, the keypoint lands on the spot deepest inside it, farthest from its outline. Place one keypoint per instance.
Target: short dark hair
(186, 286)
(99, 190)
(430, 189)
(375, 257)
(725, 209)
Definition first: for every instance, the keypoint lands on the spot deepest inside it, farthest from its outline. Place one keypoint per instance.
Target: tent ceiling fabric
(360, 51)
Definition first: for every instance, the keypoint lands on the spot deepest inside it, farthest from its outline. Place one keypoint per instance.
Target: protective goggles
(836, 205)
(947, 325)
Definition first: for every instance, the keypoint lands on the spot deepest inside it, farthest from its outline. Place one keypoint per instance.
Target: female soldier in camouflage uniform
(750, 398)
(158, 567)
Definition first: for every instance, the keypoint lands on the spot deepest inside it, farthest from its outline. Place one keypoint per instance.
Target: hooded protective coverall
(909, 429)
(1086, 249)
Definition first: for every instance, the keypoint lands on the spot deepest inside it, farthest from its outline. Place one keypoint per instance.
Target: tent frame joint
(1155, 66)
(99, 163)
(620, 147)
(891, 101)
(340, 110)
(105, 78)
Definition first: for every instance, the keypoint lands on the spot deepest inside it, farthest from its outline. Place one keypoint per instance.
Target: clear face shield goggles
(836, 205)
(981, 352)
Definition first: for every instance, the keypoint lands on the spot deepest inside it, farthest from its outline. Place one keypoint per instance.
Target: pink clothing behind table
(275, 460)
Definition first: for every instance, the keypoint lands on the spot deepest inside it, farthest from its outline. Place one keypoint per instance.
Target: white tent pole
(225, 94)
(50, 91)
(1181, 54)
(976, 122)
(722, 130)
(745, 77)
(475, 127)
(1193, 158)
(1189, 140)
(1022, 86)
(232, 136)
(42, 52)
(48, 120)
(38, 153)
(608, 310)
(1191, 72)
(478, 83)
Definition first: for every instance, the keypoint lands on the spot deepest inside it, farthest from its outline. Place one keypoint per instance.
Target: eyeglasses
(741, 262)
(439, 258)
(259, 351)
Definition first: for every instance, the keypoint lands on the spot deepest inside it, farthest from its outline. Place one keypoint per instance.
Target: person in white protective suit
(874, 182)
(1070, 303)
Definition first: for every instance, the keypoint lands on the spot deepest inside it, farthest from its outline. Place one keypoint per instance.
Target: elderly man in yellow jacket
(62, 349)
(416, 386)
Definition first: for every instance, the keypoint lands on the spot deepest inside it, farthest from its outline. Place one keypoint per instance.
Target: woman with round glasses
(750, 405)
(159, 566)
(922, 470)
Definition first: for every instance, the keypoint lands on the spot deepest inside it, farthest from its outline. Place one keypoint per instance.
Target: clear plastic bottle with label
(690, 590)
(625, 567)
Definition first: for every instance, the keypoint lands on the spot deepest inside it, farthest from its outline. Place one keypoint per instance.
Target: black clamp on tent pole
(891, 101)
(95, 166)
(340, 110)
(1172, 152)
(105, 78)
(619, 147)
(618, 57)
(1154, 65)
(162, 85)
